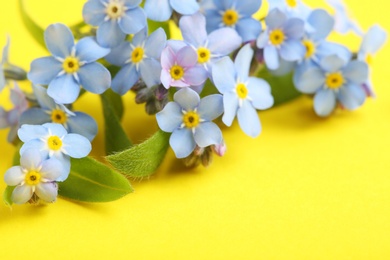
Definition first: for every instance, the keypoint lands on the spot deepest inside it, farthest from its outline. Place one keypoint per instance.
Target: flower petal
(310, 80)
(186, 57)
(82, 124)
(76, 146)
(94, 12)
(260, 93)
(230, 106)
(188, 7)
(210, 107)
(34, 116)
(351, 96)
(22, 194)
(158, 10)
(219, 46)
(120, 54)
(248, 119)
(187, 98)
(43, 99)
(224, 74)
(44, 70)
(322, 22)
(332, 63)
(155, 43)
(356, 72)
(195, 76)
(248, 29)
(109, 34)
(193, 29)
(30, 132)
(14, 176)
(88, 50)
(207, 134)
(59, 40)
(243, 61)
(271, 57)
(275, 19)
(133, 21)
(170, 118)
(182, 142)
(125, 79)
(292, 50)
(150, 70)
(51, 169)
(47, 191)
(94, 77)
(324, 102)
(31, 159)
(64, 89)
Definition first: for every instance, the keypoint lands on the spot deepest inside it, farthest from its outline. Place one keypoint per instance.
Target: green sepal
(116, 139)
(7, 195)
(142, 160)
(35, 30)
(92, 181)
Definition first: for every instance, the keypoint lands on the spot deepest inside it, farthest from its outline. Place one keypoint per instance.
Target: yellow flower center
(54, 143)
(203, 55)
(242, 91)
(292, 3)
(310, 48)
(369, 59)
(115, 9)
(230, 17)
(191, 119)
(71, 64)
(277, 37)
(334, 80)
(32, 178)
(137, 54)
(58, 116)
(177, 72)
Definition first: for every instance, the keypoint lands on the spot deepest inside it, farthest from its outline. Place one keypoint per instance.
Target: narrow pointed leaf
(92, 181)
(115, 137)
(35, 30)
(142, 160)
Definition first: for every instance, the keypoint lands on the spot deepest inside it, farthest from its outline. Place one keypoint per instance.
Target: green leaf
(92, 181)
(142, 160)
(7, 195)
(34, 29)
(115, 137)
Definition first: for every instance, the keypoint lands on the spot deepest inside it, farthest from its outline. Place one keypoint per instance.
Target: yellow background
(307, 188)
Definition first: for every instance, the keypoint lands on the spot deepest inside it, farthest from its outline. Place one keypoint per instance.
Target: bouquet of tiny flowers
(230, 62)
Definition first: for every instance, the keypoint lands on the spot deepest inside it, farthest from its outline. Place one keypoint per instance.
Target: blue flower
(334, 80)
(52, 140)
(34, 175)
(189, 118)
(50, 112)
(8, 71)
(11, 117)
(140, 58)
(372, 41)
(343, 21)
(236, 14)
(70, 66)
(212, 47)
(242, 94)
(161, 10)
(281, 38)
(293, 8)
(115, 19)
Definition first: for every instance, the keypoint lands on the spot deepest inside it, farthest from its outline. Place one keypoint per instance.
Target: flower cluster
(216, 71)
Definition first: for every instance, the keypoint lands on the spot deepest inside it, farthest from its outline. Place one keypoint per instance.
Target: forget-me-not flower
(34, 175)
(138, 59)
(236, 14)
(212, 47)
(51, 112)
(372, 41)
(343, 20)
(242, 94)
(70, 66)
(115, 19)
(161, 10)
(180, 66)
(334, 80)
(11, 117)
(52, 140)
(189, 118)
(282, 37)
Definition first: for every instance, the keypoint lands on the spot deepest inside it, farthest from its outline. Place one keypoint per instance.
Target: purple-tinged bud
(219, 149)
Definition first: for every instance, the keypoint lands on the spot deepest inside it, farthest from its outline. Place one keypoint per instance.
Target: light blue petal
(34, 116)
(262, 40)
(294, 28)
(133, 21)
(82, 124)
(150, 70)
(14, 176)
(35, 144)
(224, 74)
(43, 99)
(44, 70)
(155, 43)
(218, 45)
(94, 12)
(271, 57)
(329, 48)
(170, 118)
(193, 29)
(64, 89)
(109, 34)
(324, 102)
(125, 79)
(185, 8)
(94, 77)
(284, 68)
(88, 50)
(275, 19)
(356, 71)
(22, 194)
(373, 40)
(51, 169)
(322, 22)
(120, 54)
(248, 29)
(56, 129)
(76, 146)
(351, 96)
(31, 159)
(260, 93)
(248, 8)
(292, 50)
(132, 3)
(65, 162)
(230, 106)
(242, 62)
(195, 76)
(187, 98)
(332, 63)
(47, 191)
(182, 142)
(210, 107)
(59, 40)
(140, 37)
(158, 10)
(248, 119)
(214, 20)
(31, 132)
(310, 80)
(207, 134)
